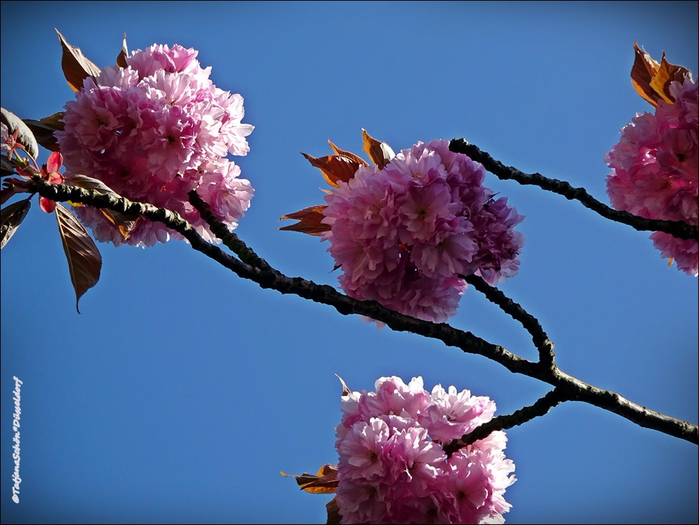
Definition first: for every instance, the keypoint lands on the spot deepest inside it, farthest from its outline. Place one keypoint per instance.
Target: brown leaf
(348, 154)
(642, 72)
(333, 509)
(324, 482)
(76, 67)
(666, 74)
(124, 223)
(84, 259)
(24, 136)
(652, 80)
(380, 153)
(12, 216)
(43, 130)
(335, 167)
(309, 220)
(121, 58)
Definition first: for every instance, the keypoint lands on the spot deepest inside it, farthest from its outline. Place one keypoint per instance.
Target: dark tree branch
(266, 277)
(540, 408)
(528, 321)
(230, 239)
(679, 229)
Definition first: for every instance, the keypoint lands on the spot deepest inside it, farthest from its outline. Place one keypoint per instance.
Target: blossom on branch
(654, 165)
(392, 467)
(152, 131)
(405, 229)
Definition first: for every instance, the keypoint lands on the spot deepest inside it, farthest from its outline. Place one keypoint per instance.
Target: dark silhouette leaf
(84, 259)
(43, 129)
(6, 167)
(333, 509)
(25, 136)
(12, 217)
(76, 67)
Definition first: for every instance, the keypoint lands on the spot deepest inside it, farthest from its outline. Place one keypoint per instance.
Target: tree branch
(267, 277)
(542, 342)
(679, 229)
(540, 408)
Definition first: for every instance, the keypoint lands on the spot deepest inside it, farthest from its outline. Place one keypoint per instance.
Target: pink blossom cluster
(152, 132)
(403, 234)
(654, 170)
(393, 469)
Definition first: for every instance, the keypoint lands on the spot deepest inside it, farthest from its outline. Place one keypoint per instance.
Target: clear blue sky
(181, 391)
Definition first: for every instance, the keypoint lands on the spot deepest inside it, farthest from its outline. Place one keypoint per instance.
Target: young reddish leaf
(309, 220)
(642, 72)
(380, 153)
(121, 58)
(24, 134)
(335, 167)
(124, 223)
(664, 76)
(47, 205)
(324, 482)
(333, 510)
(12, 217)
(43, 129)
(652, 80)
(348, 154)
(76, 67)
(84, 259)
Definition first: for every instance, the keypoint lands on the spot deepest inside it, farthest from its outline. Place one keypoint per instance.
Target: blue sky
(181, 391)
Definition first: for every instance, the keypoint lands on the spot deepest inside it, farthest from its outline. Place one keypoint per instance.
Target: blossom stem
(678, 229)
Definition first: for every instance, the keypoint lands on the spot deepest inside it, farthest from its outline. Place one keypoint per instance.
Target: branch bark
(679, 229)
(257, 270)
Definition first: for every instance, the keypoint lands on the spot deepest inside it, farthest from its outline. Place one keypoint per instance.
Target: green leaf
(12, 217)
(84, 259)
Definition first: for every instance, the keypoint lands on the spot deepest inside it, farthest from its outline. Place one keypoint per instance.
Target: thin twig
(679, 229)
(542, 342)
(540, 408)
